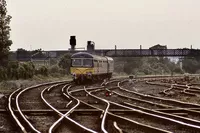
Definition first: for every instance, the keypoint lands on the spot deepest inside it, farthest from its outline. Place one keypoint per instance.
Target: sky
(48, 24)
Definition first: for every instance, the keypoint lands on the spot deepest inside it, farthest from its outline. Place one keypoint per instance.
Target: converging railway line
(122, 105)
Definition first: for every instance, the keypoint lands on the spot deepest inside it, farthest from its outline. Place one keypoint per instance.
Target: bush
(29, 70)
(54, 69)
(65, 62)
(12, 70)
(3, 73)
(43, 71)
(16, 70)
(53, 61)
(21, 72)
(63, 71)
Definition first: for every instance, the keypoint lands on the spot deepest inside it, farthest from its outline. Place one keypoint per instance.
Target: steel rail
(180, 118)
(195, 126)
(173, 86)
(12, 112)
(53, 86)
(87, 129)
(189, 90)
(141, 100)
(159, 98)
(64, 115)
(160, 84)
(103, 83)
(162, 114)
(63, 90)
(72, 91)
(23, 116)
(45, 101)
(109, 82)
(136, 99)
(116, 127)
(123, 118)
(157, 116)
(180, 87)
(104, 112)
(190, 111)
(184, 90)
(52, 128)
(32, 87)
(195, 87)
(192, 90)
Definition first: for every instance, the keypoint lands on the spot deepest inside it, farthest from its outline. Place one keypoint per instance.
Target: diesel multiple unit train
(86, 66)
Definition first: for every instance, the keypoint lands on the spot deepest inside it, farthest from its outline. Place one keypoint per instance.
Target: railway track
(111, 118)
(21, 100)
(153, 117)
(103, 107)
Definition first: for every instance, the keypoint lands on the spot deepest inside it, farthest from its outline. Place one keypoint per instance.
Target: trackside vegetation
(26, 70)
(157, 65)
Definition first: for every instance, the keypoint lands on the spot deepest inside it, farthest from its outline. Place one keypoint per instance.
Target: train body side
(110, 65)
(87, 66)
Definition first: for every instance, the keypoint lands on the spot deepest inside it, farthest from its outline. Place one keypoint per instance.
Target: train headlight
(89, 73)
(74, 74)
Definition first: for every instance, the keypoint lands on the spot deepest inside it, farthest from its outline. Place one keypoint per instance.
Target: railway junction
(94, 99)
(161, 104)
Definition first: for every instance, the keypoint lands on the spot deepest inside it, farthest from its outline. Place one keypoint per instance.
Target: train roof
(82, 55)
(88, 55)
(109, 58)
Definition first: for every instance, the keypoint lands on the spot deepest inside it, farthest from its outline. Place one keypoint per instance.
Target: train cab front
(81, 78)
(82, 69)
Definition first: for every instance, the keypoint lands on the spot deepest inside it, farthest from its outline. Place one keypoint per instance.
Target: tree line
(149, 66)
(27, 70)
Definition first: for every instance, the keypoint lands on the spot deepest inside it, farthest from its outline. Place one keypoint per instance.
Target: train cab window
(99, 62)
(76, 62)
(87, 62)
(95, 63)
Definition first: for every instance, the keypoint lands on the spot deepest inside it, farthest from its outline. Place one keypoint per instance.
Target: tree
(65, 62)
(191, 65)
(5, 41)
(22, 53)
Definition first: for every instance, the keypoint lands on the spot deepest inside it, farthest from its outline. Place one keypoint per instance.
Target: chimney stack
(72, 42)
(90, 46)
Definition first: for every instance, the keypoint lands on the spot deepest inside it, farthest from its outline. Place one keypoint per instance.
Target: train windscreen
(82, 62)
(87, 63)
(76, 62)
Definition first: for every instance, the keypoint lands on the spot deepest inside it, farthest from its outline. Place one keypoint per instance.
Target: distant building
(40, 59)
(158, 46)
(158, 49)
(40, 62)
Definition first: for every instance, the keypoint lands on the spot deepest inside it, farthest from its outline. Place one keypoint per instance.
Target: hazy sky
(48, 24)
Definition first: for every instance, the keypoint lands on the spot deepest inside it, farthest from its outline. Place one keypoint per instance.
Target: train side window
(95, 63)
(100, 64)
